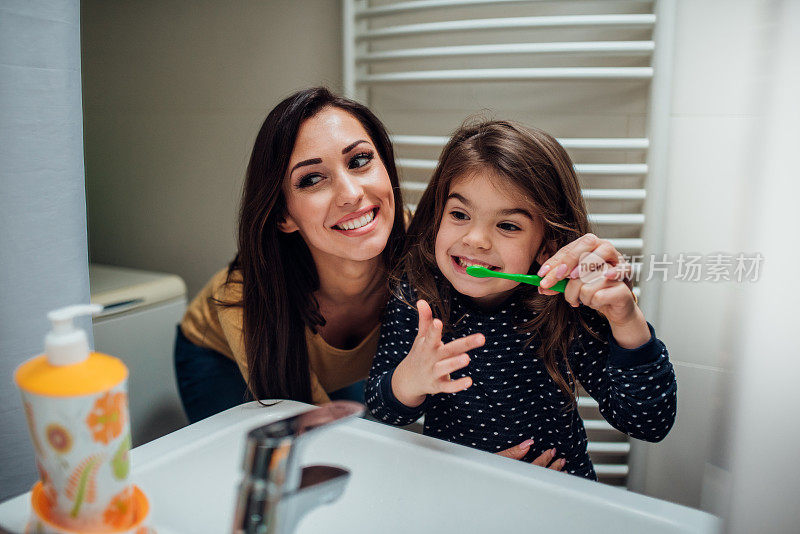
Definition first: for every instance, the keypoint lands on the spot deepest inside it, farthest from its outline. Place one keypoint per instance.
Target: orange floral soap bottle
(76, 404)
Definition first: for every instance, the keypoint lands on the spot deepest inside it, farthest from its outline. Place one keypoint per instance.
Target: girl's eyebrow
(316, 161)
(506, 212)
(516, 211)
(460, 198)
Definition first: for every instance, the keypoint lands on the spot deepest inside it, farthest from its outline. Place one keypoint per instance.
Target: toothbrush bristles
(477, 271)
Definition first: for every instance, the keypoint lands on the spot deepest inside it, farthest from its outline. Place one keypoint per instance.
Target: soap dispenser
(76, 405)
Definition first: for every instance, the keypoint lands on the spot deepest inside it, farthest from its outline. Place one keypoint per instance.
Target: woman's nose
(349, 190)
(477, 237)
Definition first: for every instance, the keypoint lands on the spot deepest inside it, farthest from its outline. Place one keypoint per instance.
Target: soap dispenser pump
(65, 344)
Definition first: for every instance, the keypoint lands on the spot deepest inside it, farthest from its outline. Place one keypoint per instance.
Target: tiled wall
(712, 124)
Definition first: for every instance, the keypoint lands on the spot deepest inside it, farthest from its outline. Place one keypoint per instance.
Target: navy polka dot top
(512, 397)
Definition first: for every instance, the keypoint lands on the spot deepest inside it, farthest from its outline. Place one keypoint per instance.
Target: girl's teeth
(466, 263)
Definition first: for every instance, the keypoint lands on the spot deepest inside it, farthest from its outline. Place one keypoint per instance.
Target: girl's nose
(349, 190)
(477, 238)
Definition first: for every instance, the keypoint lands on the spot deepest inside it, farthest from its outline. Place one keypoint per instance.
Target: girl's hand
(427, 367)
(597, 274)
(608, 294)
(518, 451)
(605, 291)
(567, 259)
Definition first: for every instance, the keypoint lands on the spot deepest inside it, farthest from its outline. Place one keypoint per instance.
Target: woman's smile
(358, 223)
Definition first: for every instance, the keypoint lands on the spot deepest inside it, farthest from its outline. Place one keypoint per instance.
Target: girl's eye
(359, 160)
(308, 180)
(459, 215)
(509, 227)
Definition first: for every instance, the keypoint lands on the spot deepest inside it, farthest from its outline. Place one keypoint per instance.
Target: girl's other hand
(517, 452)
(427, 367)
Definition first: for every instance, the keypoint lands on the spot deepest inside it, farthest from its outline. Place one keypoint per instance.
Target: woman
(298, 308)
(296, 313)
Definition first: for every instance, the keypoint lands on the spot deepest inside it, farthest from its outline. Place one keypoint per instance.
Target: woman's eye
(459, 215)
(359, 160)
(308, 180)
(508, 227)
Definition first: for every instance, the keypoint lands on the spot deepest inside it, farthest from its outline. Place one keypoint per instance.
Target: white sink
(401, 482)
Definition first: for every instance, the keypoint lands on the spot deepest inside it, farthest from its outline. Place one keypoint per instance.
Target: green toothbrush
(483, 272)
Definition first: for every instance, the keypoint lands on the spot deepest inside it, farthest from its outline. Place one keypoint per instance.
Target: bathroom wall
(763, 485)
(718, 59)
(43, 238)
(174, 94)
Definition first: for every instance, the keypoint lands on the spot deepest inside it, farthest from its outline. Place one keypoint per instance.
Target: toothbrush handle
(533, 279)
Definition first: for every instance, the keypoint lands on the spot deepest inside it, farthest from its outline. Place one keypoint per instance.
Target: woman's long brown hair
(278, 274)
(535, 164)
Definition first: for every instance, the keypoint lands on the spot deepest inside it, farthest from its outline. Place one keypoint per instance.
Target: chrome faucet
(275, 492)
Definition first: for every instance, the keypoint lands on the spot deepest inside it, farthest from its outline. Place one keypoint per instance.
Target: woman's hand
(517, 452)
(427, 367)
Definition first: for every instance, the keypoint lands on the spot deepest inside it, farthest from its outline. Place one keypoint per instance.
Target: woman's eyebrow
(313, 161)
(351, 146)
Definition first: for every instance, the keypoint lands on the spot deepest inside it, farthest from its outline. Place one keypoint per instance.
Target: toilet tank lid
(123, 289)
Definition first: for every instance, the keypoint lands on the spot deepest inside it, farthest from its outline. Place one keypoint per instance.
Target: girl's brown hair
(535, 163)
(278, 273)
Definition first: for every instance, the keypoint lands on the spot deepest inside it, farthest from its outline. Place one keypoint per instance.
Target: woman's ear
(287, 225)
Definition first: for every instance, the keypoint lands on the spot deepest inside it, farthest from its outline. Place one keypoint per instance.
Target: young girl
(498, 365)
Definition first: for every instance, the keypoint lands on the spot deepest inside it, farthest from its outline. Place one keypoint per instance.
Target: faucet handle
(273, 450)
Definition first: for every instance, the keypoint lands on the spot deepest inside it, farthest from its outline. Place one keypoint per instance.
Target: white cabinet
(138, 324)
